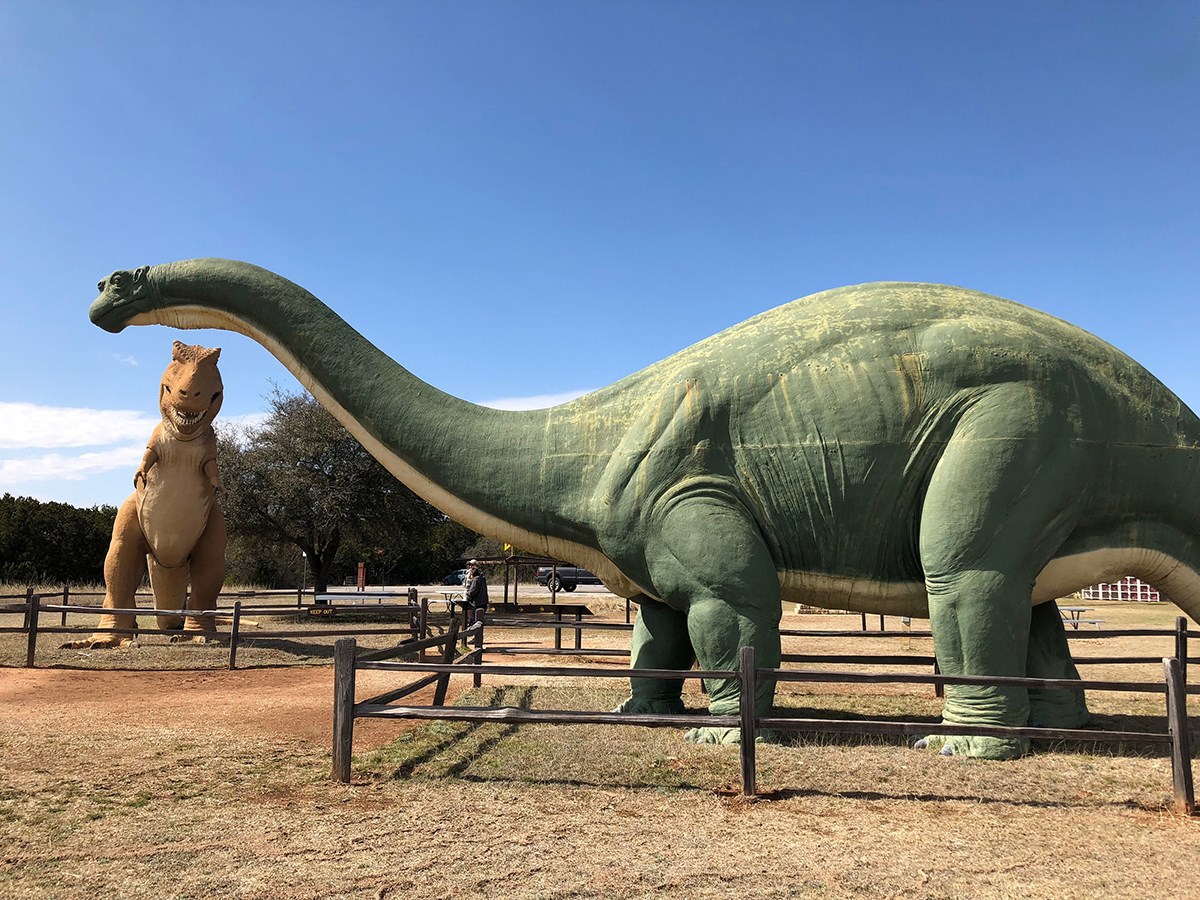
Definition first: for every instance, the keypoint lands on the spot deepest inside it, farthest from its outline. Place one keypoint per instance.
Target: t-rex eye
(167, 388)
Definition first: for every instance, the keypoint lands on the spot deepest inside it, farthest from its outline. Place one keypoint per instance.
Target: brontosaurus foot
(713, 736)
(107, 642)
(674, 706)
(728, 736)
(975, 747)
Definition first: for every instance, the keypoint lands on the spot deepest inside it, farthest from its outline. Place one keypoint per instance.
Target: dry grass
(207, 785)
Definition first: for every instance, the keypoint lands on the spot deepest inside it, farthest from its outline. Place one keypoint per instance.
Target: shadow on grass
(604, 757)
(443, 739)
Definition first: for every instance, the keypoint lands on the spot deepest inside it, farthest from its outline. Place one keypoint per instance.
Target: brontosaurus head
(123, 295)
(191, 391)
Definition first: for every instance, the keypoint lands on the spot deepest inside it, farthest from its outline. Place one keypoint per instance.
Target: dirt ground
(288, 704)
(215, 783)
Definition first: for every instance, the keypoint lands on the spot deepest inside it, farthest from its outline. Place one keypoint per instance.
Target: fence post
(28, 606)
(1181, 645)
(1177, 724)
(343, 707)
(480, 616)
(234, 628)
(939, 689)
(66, 602)
(558, 630)
(34, 607)
(578, 631)
(300, 597)
(748, 675)
(443, 682)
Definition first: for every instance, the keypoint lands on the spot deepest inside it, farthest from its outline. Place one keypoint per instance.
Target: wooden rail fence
(32, 609)
(1174, 686)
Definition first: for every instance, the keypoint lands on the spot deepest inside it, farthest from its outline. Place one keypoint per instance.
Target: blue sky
(522, 200)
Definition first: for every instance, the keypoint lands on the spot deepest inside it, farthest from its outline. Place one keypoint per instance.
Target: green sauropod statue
(909, 449)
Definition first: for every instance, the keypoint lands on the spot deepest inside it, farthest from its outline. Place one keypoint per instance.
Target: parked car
(455, 577)
(564, 578)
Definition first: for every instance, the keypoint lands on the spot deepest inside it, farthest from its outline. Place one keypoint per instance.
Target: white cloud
(26, 425)
(57, 467)
(540, 401)
(127, 360)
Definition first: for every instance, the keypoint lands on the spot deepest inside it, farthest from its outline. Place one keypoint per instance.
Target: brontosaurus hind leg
(709, 558)
(1049, 656)
(999, 505)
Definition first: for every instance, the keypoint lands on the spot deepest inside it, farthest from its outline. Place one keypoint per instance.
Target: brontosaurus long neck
(481, 466)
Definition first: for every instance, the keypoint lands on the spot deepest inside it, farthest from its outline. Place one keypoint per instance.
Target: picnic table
(453, 597)
(1073, 616)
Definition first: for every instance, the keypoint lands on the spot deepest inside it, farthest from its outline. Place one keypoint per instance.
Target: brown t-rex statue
(172, 522)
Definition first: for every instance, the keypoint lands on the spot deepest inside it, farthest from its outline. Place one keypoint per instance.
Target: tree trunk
(320, 578)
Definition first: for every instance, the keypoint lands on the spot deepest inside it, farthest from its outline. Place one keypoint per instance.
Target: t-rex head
(124, 294)
(191, 391)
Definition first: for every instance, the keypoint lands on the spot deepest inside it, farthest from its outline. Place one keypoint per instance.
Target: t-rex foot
(973, 746)
(107, 642)
(674, 706)
(194, 639)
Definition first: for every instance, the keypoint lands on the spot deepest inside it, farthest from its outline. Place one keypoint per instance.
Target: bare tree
(301, 478)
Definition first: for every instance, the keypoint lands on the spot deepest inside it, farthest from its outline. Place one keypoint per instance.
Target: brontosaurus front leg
(709, 558)
(660, 641)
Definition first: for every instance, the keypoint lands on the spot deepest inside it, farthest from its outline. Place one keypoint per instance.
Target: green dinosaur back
(830, 412)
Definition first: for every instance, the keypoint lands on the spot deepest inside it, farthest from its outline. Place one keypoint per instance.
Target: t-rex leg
(170, 591)
(995, 511)
(123, 568)
(1050, 657)
(710, 558)
(660, 641)
(208, 575)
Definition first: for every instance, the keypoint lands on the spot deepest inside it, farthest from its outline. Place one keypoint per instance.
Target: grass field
(154, 773)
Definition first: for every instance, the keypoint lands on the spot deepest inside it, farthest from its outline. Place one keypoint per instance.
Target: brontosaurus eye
(116, 279)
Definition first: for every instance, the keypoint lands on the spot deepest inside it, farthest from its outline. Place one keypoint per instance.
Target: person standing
(476, 598)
